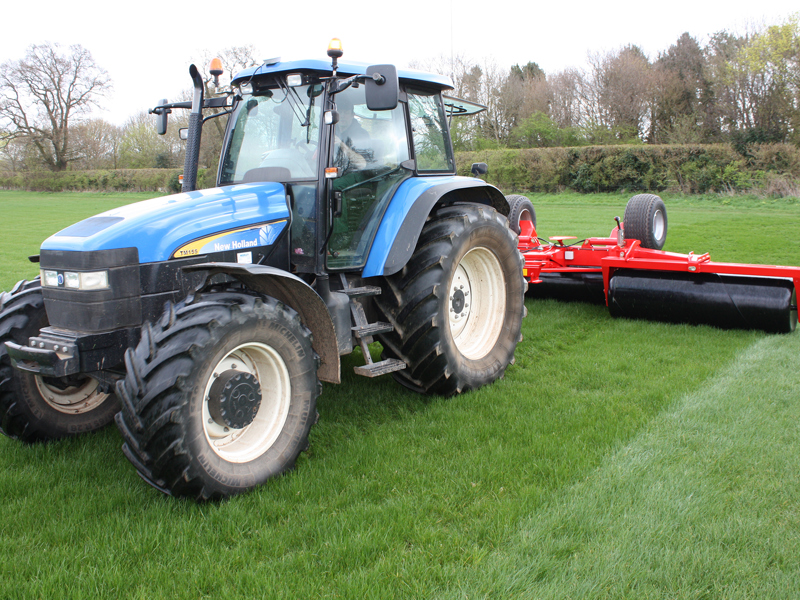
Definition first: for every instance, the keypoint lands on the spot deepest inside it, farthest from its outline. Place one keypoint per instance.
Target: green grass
(29, 218)
(616, 459)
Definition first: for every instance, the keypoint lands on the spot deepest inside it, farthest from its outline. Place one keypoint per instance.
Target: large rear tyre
(646, 220)
(520, 209)
(35, 408)
(220, 395)
(457, 306)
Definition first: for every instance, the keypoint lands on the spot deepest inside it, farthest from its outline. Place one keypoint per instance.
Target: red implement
(639, 282)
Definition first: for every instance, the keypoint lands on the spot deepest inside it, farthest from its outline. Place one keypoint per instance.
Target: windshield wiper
(295, 102)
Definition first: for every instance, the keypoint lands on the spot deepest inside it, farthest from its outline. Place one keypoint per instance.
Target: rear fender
(294, 292)
(408, 210)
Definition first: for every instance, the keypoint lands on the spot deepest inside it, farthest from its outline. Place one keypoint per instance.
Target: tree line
(734, 88)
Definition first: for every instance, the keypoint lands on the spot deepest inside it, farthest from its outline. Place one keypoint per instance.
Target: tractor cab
(340, 148)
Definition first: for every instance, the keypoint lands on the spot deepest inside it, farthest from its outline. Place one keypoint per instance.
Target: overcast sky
(147, 47)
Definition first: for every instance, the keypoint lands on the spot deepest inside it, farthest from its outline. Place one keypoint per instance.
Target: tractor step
(360, 292)
(380, 368)
(372, 329)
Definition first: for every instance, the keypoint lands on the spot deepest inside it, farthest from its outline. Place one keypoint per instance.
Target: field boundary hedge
(113, 180)
(768, 169)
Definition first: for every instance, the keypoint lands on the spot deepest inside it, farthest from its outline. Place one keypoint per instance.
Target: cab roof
(345, 68)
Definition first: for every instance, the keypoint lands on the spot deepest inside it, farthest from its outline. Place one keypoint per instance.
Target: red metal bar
(607, 255)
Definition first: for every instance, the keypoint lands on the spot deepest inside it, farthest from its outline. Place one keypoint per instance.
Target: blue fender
(182, 225)
(296, 293)
(408, 210)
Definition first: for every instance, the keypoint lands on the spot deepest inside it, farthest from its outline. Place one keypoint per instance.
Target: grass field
(616, 459)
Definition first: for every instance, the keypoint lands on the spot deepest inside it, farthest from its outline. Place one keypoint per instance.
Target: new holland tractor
(204, 322)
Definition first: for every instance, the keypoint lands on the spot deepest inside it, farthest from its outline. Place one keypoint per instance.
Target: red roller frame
(607, 255)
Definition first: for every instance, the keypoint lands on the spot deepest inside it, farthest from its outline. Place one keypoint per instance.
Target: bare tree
(616, 93)
(42, 94)
(96, 144)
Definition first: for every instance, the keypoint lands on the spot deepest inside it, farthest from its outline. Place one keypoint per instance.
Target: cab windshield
(275, 136)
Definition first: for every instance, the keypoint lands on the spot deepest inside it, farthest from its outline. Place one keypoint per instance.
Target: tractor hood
(158, 228)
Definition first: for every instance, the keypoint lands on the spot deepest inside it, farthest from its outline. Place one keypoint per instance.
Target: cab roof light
(335, 49)
(215, 68)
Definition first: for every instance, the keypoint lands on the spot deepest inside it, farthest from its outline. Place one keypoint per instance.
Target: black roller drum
(724, 301)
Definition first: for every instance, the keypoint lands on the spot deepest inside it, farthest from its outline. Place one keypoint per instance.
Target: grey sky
(147, 49)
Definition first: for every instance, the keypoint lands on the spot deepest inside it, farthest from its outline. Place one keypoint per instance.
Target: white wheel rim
(658, 225)
(73, 399)
(252, 440)
(477, 303)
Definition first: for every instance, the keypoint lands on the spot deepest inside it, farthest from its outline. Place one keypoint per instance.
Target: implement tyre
(520, 209)
(35, 408)
(646, 220)
(457, 306)
(220, 395)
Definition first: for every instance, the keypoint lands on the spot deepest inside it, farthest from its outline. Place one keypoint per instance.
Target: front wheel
(220, 395)
(457, 306)
(35, 408)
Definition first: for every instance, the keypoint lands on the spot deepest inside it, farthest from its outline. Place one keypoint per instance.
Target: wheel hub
(458, 302)
(234, 399)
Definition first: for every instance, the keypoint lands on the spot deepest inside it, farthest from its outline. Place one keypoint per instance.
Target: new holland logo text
(263, 234)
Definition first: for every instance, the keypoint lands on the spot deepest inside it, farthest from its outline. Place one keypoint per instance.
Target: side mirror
(382, 87)
(161, 116)
(479, 169)
(331, 117)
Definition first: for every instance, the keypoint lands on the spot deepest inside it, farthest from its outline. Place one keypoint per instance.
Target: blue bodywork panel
(345, 68)
(397, 211)
(202, 221)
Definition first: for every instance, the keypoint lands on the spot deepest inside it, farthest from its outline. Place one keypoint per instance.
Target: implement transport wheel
(220, 395)
(35, 408)
(457, 306)
(646, 220)
(520, 209)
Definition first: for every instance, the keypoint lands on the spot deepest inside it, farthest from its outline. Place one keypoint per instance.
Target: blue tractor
(204, 322)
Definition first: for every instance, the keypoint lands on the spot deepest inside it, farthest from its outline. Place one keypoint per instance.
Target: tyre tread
(156, 386)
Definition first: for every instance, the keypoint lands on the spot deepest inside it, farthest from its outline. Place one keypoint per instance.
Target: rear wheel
(646, 221)
(457, 306)
(220, 395)
(35, 408)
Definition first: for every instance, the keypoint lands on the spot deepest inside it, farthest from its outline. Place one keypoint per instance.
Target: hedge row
(119, 180)
(769, 169)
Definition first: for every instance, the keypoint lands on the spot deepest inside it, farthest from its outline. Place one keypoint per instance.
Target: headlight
(96, 280)
(90, 280)
(49, 278)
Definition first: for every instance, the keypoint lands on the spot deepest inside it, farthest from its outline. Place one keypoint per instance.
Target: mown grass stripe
(704, 503)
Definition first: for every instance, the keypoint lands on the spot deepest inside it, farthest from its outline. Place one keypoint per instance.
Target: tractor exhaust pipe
(725, 301)
(194, 133)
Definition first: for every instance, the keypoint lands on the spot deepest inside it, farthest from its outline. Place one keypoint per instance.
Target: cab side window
(429, 132)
